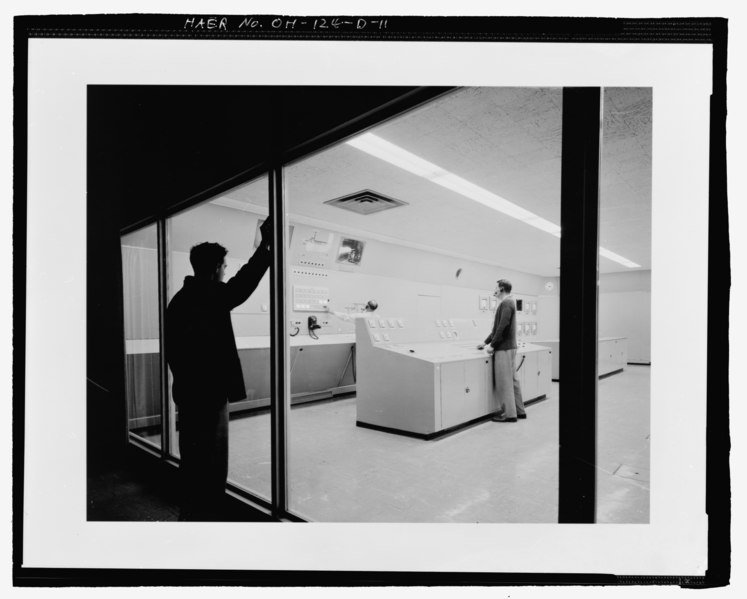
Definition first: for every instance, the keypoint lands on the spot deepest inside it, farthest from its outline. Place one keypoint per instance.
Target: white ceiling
(505, 140)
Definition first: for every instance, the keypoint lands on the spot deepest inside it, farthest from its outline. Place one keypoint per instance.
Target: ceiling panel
(505, 140)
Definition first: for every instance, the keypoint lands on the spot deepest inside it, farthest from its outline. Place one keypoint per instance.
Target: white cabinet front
(464, 391)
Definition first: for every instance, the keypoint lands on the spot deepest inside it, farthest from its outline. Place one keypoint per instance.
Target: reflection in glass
(390, 419)
(624, 351)
(232, 220)
(142, 347)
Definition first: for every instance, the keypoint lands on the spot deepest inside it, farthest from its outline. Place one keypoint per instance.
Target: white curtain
(140, 289)
(140, 284)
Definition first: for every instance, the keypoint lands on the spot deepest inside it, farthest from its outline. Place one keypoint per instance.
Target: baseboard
(444, 432)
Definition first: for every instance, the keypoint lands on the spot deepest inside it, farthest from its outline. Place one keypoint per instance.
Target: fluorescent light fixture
(393, 154)
(376, 146)
(618, 258)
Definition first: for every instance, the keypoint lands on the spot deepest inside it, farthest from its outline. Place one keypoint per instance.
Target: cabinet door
(529, 375)
(615, 355)
(605, 358)
(464, 391)
(476, 388)
(544, 373)
(488, 400)
(452, 394)
(622, 351)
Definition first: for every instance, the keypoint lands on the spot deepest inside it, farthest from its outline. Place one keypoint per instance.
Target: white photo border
(56, 533)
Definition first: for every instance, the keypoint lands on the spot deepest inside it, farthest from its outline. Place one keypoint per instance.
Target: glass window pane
(624, 351)
(391, 417)
(232, 220)
(142, 343)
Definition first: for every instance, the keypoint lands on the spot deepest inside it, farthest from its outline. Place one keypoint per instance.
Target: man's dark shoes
(521, 416)
(503, 419)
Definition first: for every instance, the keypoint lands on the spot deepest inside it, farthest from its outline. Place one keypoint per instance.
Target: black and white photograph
(441, 308)
(407, 398)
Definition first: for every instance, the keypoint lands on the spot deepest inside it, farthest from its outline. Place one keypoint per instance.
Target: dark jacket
(503, 335)
(199, 341)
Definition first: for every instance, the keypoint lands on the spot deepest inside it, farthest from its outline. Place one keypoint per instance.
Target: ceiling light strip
(617, 258)
(393, 154)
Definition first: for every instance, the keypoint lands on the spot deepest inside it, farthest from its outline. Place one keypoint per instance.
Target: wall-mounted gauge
(549, 286)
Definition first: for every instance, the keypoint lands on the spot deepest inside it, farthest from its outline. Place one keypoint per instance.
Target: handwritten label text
(268, 23)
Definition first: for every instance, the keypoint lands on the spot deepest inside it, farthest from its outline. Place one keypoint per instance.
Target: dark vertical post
(718, 445)
(163, 367)
(579, 251)
(20, 219)
(280, 380)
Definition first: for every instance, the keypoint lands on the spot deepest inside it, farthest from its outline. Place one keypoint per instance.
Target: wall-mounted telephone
(313, 326)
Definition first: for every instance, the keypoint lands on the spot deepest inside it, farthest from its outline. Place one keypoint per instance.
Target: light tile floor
(491, 472)
(623, 442)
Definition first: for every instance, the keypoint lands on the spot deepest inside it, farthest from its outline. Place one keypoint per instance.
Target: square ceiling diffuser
(365, 202)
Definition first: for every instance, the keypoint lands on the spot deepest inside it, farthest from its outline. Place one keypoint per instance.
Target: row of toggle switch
(448, 334)
(383, 323)
(444, 323)
(381, 337)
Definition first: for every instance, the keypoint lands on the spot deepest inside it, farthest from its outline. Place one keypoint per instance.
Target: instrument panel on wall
(314, 249)
(309, 298)
(526, 316)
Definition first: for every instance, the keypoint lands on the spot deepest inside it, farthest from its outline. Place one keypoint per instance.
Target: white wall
(625, 311)
(399, 278)
(548, 311)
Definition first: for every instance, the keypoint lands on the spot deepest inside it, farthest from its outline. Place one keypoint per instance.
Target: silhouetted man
(201, 351)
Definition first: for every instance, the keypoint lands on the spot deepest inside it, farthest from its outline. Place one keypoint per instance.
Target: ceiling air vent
(365, 202)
